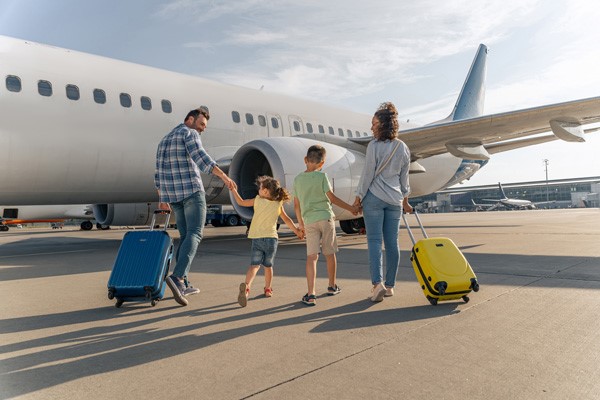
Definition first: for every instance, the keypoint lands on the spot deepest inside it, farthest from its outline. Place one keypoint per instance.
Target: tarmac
(531, 332)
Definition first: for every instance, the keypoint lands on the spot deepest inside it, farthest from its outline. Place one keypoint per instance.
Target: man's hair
(315, 154)
(196, 113)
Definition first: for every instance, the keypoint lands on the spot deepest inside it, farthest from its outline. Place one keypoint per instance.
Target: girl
(268, 207)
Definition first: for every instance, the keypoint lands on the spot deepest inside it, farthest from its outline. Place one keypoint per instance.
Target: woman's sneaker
(378, 293)
(177, 288)
(389, 292)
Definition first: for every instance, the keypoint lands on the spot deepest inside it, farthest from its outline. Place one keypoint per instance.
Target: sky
(356, 55)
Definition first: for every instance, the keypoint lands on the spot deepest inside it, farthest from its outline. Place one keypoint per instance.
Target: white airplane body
(14, 215)
(58, 150)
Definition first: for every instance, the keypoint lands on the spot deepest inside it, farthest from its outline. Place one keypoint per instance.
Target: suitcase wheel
(474, 285)
(465, 299)
(119, 303)
(432, 300)
(111, 294)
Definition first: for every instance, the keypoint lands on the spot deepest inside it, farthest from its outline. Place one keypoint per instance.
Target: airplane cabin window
(331, 131)
(236, 117)
(349, 133)
(13, 83)
(166, 106)
(99, 96)
(45, 88)
(262, 121)
(275, 123)
(249, 119)
(340, 132)
(297, 126)
(125, 100)
(309, 127)
(321, 129)
(365, 134)
(146, 103)
(72, 92)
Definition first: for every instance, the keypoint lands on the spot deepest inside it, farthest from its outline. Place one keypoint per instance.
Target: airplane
(511, 204)
(90, 125)
(18, 215)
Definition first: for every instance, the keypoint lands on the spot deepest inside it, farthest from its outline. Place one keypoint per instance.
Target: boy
(312, 203)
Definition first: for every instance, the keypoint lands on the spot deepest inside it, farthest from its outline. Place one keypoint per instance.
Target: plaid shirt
(180, 158)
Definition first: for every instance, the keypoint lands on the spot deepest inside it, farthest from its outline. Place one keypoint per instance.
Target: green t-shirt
(311, 190)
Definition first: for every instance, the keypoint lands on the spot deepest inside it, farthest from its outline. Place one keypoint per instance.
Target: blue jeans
(190, 215)
(382, 222)
(263, 251)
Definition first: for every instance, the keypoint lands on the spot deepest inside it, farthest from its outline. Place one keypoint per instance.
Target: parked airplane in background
(94, 124)
(511, 204)
(17, 215)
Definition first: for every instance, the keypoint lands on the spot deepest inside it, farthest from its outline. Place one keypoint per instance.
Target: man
(180, 158)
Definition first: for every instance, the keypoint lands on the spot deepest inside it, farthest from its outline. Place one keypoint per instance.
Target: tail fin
(502, 191)
(472, 96)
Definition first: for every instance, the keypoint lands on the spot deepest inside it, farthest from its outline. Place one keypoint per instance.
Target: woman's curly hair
(388, 121)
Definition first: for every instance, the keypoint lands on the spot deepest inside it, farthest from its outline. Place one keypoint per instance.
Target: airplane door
(274, 125)
(296, 126)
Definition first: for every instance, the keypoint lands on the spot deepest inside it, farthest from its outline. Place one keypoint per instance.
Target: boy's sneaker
(243, 294)
(177, 288)
(333, 290)
(309, 299)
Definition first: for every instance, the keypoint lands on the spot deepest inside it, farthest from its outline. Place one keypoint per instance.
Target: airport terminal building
(558, 193)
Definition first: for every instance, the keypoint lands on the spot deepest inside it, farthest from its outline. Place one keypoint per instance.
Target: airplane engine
(126, 214)
(283, 159)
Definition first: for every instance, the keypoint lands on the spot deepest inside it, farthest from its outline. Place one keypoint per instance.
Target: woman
(382, 193)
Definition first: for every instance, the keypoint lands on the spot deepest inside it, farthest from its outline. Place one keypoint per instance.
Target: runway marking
(43, 254)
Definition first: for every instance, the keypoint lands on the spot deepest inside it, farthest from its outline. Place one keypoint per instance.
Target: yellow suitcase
(441, 269)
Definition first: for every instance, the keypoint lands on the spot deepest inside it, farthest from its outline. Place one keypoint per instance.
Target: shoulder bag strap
(388, 159)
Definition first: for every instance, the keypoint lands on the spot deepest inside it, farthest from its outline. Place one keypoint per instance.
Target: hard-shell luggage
(142, 265)
(442, 270)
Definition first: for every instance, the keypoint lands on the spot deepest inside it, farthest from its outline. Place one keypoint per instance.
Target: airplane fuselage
(56, 149)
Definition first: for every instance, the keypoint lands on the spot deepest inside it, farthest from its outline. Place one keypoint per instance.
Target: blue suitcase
(142, 265)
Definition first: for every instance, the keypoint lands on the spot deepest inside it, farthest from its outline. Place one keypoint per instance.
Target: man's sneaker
(178, 289)
(309, 299)
(378, 293)
(190, 290)
(333, 290)
(389, 292)
(243, 294)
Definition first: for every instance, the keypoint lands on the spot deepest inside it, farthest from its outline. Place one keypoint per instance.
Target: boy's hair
(276, 192)
(315, 154)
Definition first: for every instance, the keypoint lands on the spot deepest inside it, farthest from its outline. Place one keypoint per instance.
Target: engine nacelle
(283, 159)
(125, 214)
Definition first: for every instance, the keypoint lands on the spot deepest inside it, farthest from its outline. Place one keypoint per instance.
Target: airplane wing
(471, 138)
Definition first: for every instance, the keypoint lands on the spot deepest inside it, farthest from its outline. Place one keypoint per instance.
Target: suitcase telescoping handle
(412, 237)
(159, 211)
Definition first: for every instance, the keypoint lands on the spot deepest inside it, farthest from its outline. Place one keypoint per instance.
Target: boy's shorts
(263, 251)
(321, 235)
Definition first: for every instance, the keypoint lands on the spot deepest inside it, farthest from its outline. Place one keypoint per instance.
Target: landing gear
(352, 226)
(102, 227)
(86, 226)
(3, 228)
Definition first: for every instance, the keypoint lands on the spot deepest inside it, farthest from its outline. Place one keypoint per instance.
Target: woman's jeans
(190, 214)
(382, 221)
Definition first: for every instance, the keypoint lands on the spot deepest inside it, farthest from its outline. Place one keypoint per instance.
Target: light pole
(546, 161)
